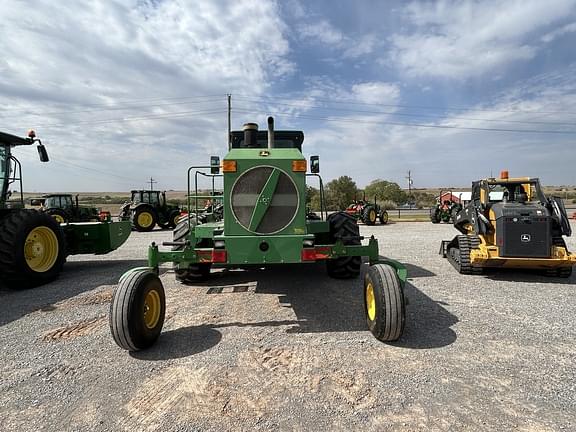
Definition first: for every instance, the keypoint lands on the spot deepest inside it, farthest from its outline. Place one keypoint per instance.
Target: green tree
(340, 193)
(312, 198)
(385, 191)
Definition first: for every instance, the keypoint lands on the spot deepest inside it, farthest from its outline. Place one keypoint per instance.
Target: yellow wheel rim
(370, 302)
(58, 218)
(145, 219)
(41, 249)
(152, 309)
(385, 217)
(372, 216)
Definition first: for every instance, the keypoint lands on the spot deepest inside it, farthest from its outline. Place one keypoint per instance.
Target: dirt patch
(71, 331)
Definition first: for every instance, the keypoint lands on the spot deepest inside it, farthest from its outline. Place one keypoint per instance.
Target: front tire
(137, 310)
(344, 227)
(58, 215)
(384, 303)
(369, 215)
(384, 217)
(144, 219)
(32, 249)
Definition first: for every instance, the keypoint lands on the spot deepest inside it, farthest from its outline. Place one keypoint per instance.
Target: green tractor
(265, 223)
(65, 208)
(148, 208)
(367, 212)
(444, 210)
(33, 246)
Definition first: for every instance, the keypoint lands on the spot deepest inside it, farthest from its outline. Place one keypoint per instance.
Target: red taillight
(219, 256)
(308, 255)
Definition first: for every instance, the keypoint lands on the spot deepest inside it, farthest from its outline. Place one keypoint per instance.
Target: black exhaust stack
(250, 135)
(270, 132)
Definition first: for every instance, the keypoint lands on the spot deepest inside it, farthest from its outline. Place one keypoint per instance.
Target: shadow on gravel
(76, 278)
(182, 342)
(529, 276)
(427, 322)
(322, 304)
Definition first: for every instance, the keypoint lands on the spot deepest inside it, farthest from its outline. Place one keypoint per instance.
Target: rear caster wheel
(137, 310)
(384, 303)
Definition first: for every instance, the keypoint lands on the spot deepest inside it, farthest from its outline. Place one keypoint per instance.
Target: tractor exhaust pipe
(270, 132)
(250, 135)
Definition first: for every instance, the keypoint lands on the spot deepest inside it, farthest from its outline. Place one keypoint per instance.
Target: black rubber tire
(128, 308)
(56, 212)
(389, 317)
(460, 256)
(344, 227)
(369, 215)
(173, 218)
(14, 229)
(137, 212)
(193, 272)
(384, 218)
(434, 216)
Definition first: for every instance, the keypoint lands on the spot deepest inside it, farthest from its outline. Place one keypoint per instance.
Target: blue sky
(453, 91)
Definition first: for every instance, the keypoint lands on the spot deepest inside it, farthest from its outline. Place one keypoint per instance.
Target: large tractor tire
(384, 218)
(344, 227)
(369, 215)
(459, 254)
(434, 216)
(137, 310)
(193, 272)
(144, 218)
(59, 215)
(384, 303)
(32, 249)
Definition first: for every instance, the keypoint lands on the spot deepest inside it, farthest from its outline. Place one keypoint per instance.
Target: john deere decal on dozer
(34, 246)
(511, 223)
(264, 177)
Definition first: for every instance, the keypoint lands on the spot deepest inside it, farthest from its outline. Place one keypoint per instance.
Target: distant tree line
(341, 192)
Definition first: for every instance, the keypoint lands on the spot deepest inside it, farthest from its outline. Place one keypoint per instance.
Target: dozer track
(458, 254)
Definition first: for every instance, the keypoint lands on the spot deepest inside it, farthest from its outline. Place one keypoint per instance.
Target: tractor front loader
(34, 246)
(511, 223)
(265, 223)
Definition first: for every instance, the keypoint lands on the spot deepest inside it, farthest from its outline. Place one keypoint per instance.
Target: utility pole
(229, 97)
(152, 181)
(410, 181)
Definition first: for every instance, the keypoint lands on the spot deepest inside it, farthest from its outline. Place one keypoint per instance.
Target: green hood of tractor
(265, 195)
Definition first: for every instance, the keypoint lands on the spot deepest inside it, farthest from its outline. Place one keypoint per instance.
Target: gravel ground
(288, 349)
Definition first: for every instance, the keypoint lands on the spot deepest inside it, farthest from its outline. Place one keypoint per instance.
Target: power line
(429, 107)
(214, 96)
(348, 120)
(414, 115)
(128, 119)
(112, 109)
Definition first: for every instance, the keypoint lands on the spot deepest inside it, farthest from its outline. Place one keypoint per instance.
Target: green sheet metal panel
(95, 237)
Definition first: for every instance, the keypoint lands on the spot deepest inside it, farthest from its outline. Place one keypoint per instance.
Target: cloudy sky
(121, 90)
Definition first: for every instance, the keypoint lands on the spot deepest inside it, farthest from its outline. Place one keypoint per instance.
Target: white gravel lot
(287, 349)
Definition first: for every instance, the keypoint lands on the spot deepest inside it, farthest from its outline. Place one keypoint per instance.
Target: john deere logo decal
(525, 238)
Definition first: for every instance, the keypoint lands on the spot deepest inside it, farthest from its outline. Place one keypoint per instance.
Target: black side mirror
(43, 153)
(314, 164)
(214, 165)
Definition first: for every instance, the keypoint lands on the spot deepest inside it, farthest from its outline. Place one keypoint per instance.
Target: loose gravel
(287, 348)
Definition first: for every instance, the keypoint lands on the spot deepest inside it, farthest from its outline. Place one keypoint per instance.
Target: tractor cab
(10, 168)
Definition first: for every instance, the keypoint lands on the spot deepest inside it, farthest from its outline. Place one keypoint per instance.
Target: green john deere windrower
(34, 246)
(265, 222)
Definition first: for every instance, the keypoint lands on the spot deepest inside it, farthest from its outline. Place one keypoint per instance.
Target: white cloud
(321, 31)
(59, 60)
(555, 34)
(376, 93)
(464, 39)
